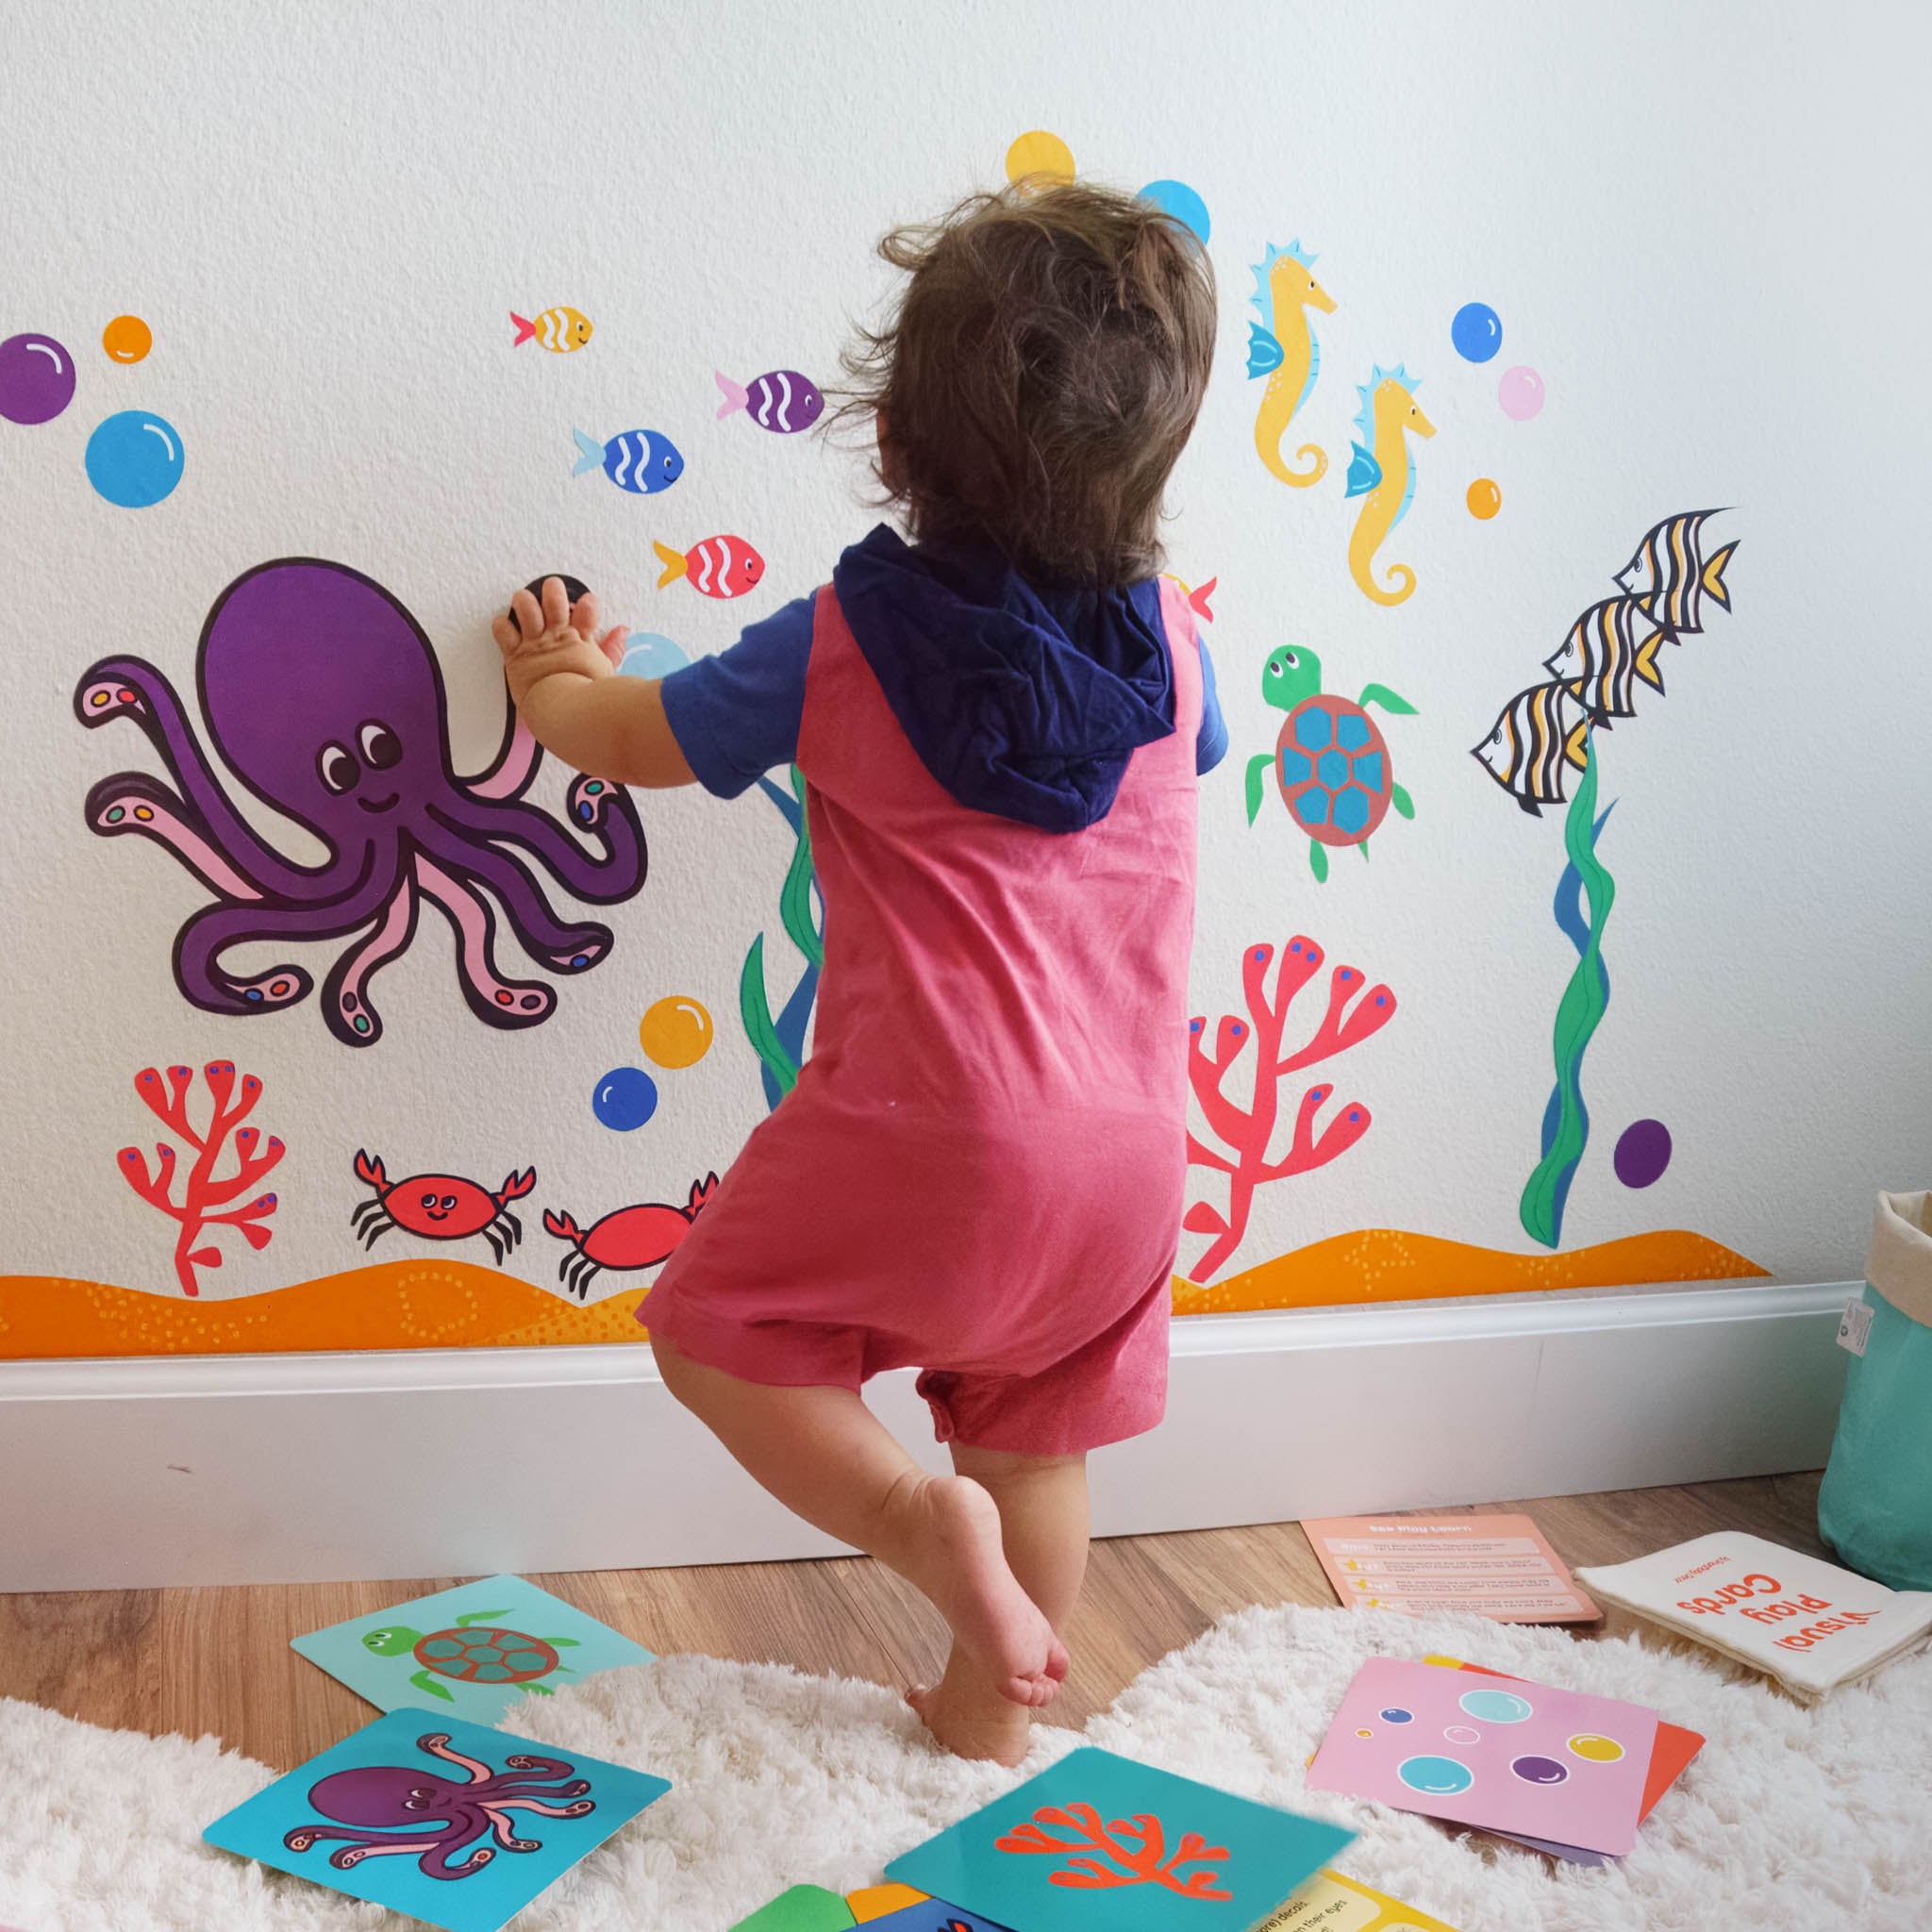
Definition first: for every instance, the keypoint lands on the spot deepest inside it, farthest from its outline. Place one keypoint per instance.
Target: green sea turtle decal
(490, 1655)
(1331, 761)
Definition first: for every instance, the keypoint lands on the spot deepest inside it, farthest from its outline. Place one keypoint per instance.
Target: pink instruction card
(1495, 1566)
(1501, 1754)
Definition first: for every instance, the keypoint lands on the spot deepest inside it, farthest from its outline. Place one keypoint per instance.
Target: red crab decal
(440, 1206)
(626, 1239)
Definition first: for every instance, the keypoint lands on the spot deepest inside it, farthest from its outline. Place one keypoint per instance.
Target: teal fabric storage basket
(1875, 1507)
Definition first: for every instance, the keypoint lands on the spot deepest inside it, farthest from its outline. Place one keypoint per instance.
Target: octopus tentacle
(130, 687)
(581, 1808)
(438, 1745)
(495, 1000)
(508, 775)
(134, 802)
(346, 1004)
(208, 932)
(506, 1833)
(600, 809)
(436, 1864)
(358, 1844)
(573, 947)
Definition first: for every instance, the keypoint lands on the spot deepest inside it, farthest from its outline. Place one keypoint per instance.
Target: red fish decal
(718, 566)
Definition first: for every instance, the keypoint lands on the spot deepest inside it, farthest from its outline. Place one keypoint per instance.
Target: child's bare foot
(954, 1554)
(969, 1719)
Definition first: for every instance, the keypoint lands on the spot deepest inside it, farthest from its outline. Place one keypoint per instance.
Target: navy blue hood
(1023, 701)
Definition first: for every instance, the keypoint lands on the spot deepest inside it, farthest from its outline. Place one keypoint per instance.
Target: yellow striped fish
(1668, 576)
(1535, 736)
(559, 330)
(1602, 658)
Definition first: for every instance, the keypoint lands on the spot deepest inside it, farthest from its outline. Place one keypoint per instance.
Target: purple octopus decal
(323, 696)
(385, 1811)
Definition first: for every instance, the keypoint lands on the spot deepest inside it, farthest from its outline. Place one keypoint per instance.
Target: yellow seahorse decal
(1282, 347)
(1382, 472)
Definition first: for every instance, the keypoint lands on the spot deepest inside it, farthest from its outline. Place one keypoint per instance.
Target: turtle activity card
(474, 1651)
(1330, 1903)
(1526, 1760)
(450, 1823)
(804, 1908)
(1500, 1567)
(1100, 1841)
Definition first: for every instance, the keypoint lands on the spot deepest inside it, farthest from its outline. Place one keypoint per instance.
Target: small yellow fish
(559, 330)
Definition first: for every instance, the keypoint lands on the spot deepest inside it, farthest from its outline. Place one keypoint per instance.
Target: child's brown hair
(1040, 376)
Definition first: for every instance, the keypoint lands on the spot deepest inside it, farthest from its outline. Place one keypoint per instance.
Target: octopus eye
(336, 767)
(379, 746)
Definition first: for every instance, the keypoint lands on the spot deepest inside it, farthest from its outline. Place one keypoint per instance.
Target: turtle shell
(1332, 765)
(485, 1657)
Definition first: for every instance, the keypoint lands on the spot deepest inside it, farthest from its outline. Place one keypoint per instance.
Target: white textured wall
(1692, 221)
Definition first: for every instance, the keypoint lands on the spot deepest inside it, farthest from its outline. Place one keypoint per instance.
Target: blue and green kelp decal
(780, 1043)
(1566, 1119)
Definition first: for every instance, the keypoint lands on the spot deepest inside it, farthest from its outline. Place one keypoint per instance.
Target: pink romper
(980, 1170)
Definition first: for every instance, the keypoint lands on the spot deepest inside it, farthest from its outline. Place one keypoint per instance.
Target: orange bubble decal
(1484, 498)
(1040, 156)
(127, 339)
(675, 1031)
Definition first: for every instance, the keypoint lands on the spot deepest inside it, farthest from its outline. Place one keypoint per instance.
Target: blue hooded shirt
(1023, 701)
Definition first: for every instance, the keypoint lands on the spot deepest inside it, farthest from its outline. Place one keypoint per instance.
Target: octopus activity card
(1500, 1567)
(474, 1651)
(1518, 1757)
(1098, 1842)
(1330, 1903)
(454, 1824)
(804, 1908)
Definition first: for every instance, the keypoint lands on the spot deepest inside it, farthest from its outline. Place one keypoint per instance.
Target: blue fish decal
(640, 461)
(1364, 472)
(1264, 352)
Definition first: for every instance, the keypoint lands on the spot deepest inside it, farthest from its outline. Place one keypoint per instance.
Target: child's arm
(563, 681)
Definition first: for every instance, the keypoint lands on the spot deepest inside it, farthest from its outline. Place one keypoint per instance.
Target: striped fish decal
(640, 461)
(559, 330)
(782, 400)
(1537, 733)
(1602, 658)
(718, 566)
(1669, 576)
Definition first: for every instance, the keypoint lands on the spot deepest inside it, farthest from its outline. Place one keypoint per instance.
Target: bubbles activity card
(1518, 1757)
(454, 1824)
(1098, 1842)
(474, 1651)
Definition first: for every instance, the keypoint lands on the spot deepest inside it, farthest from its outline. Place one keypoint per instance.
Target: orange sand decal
(458, 1305)
(1381, 1265)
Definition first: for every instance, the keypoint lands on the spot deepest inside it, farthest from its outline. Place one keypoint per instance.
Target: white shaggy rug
(1789, 1817)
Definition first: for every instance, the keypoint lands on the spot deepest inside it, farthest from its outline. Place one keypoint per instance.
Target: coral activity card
(1500, 1567)
(1098, 1842)
(1500, 1754)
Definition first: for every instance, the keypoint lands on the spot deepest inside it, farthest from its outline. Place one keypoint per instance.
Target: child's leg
(1043, 1524)
(825, 1455)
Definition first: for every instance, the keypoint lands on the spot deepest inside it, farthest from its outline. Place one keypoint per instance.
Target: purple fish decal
(783, 401)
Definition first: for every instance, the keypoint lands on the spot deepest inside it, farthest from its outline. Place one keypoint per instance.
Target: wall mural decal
(1356, 1011)
(439, 1207)
(1282, 347)
(625, 1099)
(1039, 156)
(205, 1194)
(675, 1031)
(1381, 472)
(626, 1239)
(134, 459)
(35, 379)
(781, 400)
(780, 1043)
(717, 566)
(1175, 198)
(324, 698)
(1521, 393)
(559, 330)
(127, 339)
(1331, 762)
(638, 460)
(1477, 331)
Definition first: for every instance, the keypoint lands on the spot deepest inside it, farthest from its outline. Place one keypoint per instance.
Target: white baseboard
(265, 1469)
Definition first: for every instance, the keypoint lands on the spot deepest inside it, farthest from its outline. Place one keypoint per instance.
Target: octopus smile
(378, 804)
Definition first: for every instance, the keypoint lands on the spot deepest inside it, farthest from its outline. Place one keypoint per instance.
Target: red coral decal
(1136, 1851)
(1353, 1015)
(201, 1191)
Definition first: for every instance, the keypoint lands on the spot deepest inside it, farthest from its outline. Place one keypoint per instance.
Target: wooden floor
(217, 1660)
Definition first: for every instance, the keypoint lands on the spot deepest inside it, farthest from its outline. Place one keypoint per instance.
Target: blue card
(474, 1651)
(453, 1824)
(1099, 1841)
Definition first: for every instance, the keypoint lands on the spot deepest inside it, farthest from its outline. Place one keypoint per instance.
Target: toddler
(979, 1172)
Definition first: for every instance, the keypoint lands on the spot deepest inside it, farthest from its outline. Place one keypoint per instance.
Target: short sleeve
(736, 715)
(1210, 744)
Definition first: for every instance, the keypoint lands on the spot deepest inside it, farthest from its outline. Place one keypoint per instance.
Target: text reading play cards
(456, 1824)
(474, 1651)
(1517, 1757)
(1098, 1840)
(1330, 1903)
(1495, 1566)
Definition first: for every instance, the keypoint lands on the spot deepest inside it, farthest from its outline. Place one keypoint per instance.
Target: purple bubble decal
(1644, 1151)
(35, 379)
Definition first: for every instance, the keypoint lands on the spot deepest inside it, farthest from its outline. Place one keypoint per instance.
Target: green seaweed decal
(780, 1043)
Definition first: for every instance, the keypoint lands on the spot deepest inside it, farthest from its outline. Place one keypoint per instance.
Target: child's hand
(538, 641)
